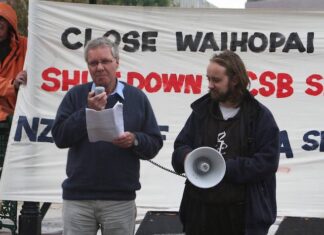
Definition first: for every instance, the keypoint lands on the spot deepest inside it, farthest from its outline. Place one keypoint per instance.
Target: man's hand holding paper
(126, 140)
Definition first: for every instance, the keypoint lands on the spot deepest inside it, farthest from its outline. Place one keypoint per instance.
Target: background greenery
(21, 7)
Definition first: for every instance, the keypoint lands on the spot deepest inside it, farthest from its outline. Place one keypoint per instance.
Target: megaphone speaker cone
(205, 167)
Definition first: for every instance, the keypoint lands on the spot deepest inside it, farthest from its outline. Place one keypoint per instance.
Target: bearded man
(230, 120)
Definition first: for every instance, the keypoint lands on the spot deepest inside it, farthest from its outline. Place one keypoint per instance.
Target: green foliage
(137, 2)
(21, 7)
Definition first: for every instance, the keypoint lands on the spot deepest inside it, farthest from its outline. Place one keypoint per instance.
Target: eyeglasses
(95, 63)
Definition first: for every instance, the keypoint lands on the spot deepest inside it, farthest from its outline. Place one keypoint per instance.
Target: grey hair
(100, 42)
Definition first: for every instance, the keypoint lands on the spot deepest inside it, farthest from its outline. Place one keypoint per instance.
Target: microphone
(99, 89)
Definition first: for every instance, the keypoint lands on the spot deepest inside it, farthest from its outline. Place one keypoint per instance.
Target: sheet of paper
(105, 125)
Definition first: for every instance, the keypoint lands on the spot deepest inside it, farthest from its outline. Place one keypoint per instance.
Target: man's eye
(94, 63)
(106, 61)
(103, 62)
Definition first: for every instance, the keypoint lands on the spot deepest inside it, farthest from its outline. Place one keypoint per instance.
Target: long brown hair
(236, 71)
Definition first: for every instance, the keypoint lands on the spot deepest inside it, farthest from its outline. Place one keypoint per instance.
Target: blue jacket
(256, 170)
(101, 170)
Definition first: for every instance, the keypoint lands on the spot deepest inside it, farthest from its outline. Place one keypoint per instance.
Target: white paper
(105, 125)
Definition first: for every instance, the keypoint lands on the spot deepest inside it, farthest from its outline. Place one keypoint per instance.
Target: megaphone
(205, 167)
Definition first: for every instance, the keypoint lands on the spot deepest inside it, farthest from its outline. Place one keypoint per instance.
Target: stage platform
(52, 223)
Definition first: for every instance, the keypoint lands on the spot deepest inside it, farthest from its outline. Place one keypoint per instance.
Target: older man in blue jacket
(102, 177)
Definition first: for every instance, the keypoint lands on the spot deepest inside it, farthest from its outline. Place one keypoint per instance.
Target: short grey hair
(100, 42)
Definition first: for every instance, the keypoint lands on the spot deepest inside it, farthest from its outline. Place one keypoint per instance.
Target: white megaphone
(205, 167)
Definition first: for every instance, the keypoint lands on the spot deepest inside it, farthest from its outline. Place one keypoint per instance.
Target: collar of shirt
(118, 90)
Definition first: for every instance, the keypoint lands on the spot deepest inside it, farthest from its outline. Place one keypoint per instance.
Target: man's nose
(211, 85)
(100, 66)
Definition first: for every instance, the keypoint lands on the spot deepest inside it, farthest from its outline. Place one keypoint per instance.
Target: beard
(221, 96)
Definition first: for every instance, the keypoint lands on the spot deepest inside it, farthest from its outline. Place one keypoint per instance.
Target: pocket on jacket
(260, 207)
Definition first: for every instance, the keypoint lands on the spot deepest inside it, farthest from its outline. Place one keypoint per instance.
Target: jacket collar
(200, 106)
(118, 90)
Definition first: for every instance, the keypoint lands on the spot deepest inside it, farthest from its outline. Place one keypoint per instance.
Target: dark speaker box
(301, 226)
(160, 222)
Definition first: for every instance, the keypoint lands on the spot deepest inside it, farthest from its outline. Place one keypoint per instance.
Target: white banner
(165, 52)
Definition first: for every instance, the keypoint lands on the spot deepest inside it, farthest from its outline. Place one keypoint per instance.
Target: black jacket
(256, 170)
